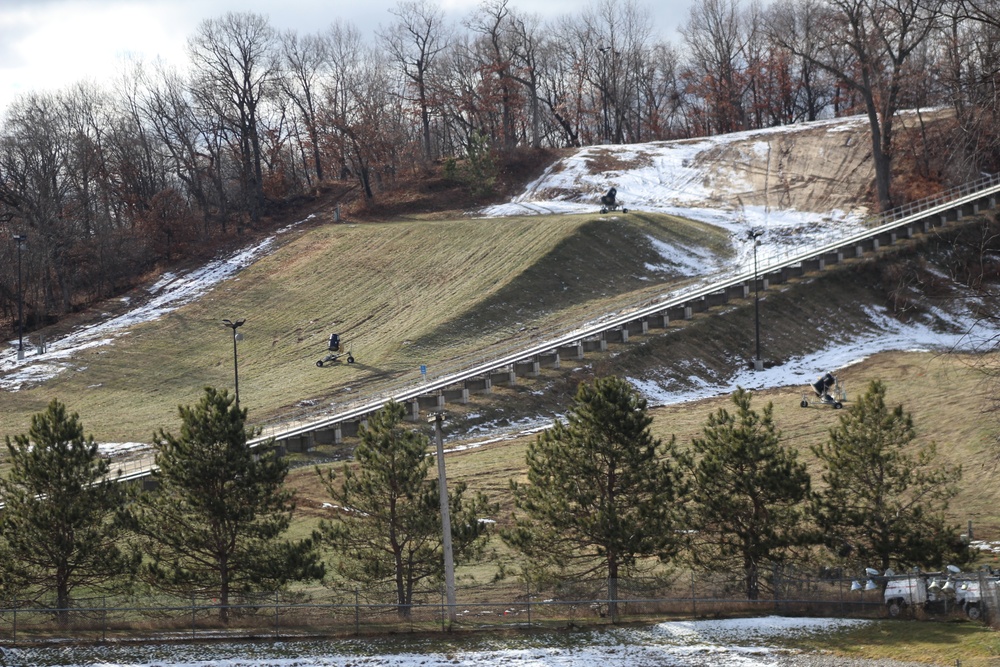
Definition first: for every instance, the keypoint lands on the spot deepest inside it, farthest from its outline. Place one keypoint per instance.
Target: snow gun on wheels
(334, 352)
(609, 202)
(821, 387)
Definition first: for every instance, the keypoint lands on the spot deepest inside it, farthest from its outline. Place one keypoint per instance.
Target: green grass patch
(951, 643)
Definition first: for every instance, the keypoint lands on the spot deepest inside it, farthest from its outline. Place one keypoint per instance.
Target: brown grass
(945, 394)
(438, 292)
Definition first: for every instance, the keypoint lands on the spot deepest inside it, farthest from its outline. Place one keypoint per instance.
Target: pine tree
(215, 522)
(601, 490)
(748, 489)
(885, 497)
(59, 518)
(388, 531)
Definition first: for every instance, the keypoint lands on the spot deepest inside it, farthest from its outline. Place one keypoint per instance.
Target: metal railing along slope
(330, 415)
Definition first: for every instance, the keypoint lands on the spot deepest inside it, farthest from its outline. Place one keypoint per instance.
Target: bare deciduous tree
(716, 39)
(305, 62)
(865, 44)
(415, 41)
(235, 64)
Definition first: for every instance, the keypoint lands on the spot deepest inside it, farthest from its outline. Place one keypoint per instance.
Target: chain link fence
(507, 604)
(982, 601)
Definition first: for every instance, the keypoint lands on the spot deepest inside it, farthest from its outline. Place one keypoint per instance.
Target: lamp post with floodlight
(753, 235)
(236, 368)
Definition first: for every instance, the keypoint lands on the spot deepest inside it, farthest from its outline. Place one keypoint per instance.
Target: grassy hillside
(947, 394)
(450, 292)
(950, 395)
(402, 294)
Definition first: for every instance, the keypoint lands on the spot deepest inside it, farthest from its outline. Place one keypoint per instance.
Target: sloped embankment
(391, 289)
(949, 392)
(607, 262)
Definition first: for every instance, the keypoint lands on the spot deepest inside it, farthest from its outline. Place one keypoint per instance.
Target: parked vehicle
(906, 592)
(939, 592)
(969, 595)
(935, 592)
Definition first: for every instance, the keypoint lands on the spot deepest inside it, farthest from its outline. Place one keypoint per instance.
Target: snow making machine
(822, 388)
(609, 202)
(334, 352)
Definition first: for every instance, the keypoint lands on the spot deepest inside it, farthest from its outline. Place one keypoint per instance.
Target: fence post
(104, 618)
(193, 611)
(694, 606)
(527, 594)
(14, 633)
(777, 589)
(275, 613)
(357, 612)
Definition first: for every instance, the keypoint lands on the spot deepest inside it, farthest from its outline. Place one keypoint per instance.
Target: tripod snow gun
(822, 387)
(609, 202)
(333, 346)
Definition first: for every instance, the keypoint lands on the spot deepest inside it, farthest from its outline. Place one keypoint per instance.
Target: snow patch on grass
(751, 642)
(943, 330)
(167, 294)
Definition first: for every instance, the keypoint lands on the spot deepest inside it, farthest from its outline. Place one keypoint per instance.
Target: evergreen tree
(884, 501)
(745, 509)
(59, 517)
(215, 522)
(601, 489)
(388, 532)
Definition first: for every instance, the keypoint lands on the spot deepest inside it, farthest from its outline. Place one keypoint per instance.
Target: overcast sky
(51, 44)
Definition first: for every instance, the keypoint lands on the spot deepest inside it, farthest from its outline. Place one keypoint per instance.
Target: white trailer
(910, 591)
(969, 595)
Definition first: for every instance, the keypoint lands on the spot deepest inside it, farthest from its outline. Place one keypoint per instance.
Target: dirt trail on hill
(817, 168)
(821, 167)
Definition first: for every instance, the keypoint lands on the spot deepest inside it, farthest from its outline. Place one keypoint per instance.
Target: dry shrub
(600, 161)
(913, 186)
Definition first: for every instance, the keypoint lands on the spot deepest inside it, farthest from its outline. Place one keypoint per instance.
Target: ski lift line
(890, 221)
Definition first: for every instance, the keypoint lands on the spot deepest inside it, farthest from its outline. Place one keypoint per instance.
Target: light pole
(236, 367)
(20, 239)
(449, 562)
(754, 234)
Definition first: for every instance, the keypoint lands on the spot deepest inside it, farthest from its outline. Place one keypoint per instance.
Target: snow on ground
(947, 332)
(681, 178)
(719, 643)
(168, 294)
(985, 547)
(683, 260)
(663, 176)
(666, 176)
(964, 333)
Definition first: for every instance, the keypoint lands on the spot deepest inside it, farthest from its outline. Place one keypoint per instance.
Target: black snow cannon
(822, 387)
(609, 201)
(333, 347)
